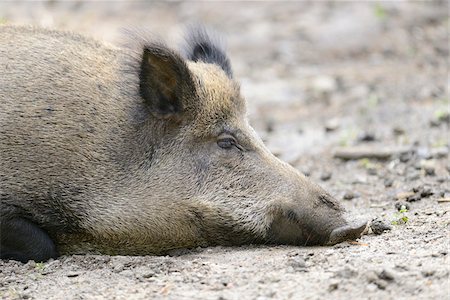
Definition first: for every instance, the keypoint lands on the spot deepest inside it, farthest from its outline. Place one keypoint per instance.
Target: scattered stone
(349, 195)
(324, 84)
(439, 152)
(423, 152)
(325, 176)
(413, 176)
(414, 198)
(417, 166)
(333, 286)
(371, 287)
(270, 125)
(347, 272)
(30, 265)
(351, 153)
(372, 277)
(306, 171)
(429, 171)
(118, 268)
(442, 179)
(423, 191)
(416, 194)
(400, 205)
(127, 273)
(332, 125)
(398, 131)
(387, 275)
(429, 167)
(388, 182)
(73, 274)
(428, 273)
(372, 171)
(378, 226)
(405, 157)
(297, 263)
(148, 274)
(366, 137)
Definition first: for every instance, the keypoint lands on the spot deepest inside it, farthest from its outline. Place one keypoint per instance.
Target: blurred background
(316, 75)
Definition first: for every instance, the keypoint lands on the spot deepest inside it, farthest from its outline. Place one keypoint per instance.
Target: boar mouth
(289, 229)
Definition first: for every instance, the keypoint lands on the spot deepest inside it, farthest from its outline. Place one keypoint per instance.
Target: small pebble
(405, 157)
(148, 274)
(429, 171)
(414, 198)
(413, 176)
(428, 273)
(440, 152)
(349, 195)
(127, 273)
(73, 274)
(423, 191)
(398, 130)
(387, 275)
(373, 278)
(379, 226)
(297, 263)
(441, 179)
(347, 272)
(372, 171)
(325, 176)
(333, 286)
(332, 125)
(388, 182)
(429, 167)
(399, 205)
(118, 268)
(417, 188)
(366, 137)
(270, 125)
(423, 153)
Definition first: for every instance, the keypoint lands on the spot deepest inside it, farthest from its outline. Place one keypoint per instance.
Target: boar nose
(347, 232)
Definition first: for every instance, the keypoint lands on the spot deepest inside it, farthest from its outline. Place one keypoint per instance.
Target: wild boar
(139, 150)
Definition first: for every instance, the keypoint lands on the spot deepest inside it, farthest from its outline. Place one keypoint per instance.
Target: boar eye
(226, 142)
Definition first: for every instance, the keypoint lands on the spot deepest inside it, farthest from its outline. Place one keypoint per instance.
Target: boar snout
(322, 224)
(347, 232)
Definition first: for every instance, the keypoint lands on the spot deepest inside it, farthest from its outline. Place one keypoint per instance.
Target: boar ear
(205, 46)
(163, 79)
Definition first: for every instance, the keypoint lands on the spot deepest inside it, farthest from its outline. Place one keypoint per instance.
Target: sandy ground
(318, 77)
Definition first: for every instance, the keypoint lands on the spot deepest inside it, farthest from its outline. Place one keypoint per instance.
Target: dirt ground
(320, 78)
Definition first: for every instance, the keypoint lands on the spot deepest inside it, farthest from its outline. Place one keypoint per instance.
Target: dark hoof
(23, 240)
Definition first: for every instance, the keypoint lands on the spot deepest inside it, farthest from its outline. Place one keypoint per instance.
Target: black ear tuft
(202, 45)
(164, 80)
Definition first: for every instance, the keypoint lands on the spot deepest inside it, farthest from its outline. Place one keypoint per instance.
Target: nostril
(347, 232)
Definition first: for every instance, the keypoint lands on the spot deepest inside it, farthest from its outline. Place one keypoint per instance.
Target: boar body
(139, 150)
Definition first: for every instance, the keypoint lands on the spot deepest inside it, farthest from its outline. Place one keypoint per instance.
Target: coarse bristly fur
(139, 150)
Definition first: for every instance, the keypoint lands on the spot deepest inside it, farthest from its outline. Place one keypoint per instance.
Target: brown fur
(100, 169)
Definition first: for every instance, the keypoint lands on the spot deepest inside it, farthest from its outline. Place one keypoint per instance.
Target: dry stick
(443, 200)
(349, 153)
